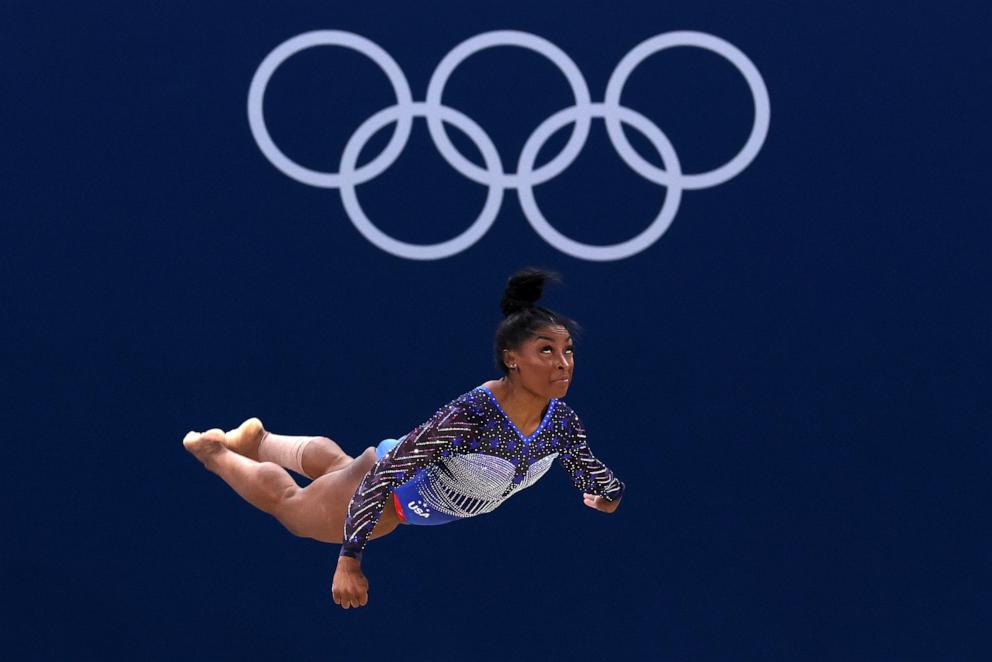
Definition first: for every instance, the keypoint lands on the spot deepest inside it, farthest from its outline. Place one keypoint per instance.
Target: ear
(510, 359)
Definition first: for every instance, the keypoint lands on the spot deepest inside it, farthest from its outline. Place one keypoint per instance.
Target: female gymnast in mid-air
(471, 456)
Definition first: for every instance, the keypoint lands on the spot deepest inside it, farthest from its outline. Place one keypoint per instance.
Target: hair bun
(524, 289)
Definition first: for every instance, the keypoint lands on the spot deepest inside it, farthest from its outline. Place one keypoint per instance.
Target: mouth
(563, 380)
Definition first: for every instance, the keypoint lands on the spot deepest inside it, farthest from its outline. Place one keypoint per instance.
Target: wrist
(351, 551)
(349, 563)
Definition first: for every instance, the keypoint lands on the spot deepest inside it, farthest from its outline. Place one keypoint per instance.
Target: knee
(363, 463)
(321, 455)
(278, 491)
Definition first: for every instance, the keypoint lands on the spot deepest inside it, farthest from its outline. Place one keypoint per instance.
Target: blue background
(793, 381)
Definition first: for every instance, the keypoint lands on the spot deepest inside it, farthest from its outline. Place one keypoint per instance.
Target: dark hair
(522, 319)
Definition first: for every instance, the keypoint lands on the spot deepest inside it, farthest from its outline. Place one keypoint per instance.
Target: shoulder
(467, 406)
(565, 412)
(568, 422)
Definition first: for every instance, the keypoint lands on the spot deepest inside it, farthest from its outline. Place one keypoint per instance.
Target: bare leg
(321, 455)
(316, 511)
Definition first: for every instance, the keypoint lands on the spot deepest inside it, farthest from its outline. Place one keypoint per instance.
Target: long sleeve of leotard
(423, 446)
(588, 473)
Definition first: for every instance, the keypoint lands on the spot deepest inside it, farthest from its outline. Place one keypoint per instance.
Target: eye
(546, 349)
(570, 350)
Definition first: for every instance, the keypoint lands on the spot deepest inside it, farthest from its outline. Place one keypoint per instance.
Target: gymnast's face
(545, 362)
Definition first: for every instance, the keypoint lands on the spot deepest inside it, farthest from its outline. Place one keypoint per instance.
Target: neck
(525, 408)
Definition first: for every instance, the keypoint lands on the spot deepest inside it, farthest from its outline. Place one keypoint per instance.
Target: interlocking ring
(526, 177)
(508, 38)
(290, 47)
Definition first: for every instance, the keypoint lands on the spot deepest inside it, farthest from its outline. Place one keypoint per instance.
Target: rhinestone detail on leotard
(468, 459)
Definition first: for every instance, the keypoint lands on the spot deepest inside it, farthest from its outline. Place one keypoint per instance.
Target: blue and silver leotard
(467, 460)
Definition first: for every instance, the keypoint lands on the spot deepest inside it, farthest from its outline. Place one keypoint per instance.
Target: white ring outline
(294, 45)
(457, 55)
(349, 197)
(762, 108)
(599, 252)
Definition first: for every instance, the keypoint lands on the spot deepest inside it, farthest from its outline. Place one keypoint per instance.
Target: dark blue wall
(791, 380)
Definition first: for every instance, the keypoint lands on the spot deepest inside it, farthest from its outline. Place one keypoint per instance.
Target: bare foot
(204, 445)
(245, 438)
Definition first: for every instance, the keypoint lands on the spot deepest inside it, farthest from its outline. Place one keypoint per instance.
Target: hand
(350, 588)
(600, 503)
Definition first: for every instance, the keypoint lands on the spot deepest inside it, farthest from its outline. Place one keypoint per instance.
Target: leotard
(467, 460)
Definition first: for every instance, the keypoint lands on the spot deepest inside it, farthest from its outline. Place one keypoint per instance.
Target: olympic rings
(493, 175)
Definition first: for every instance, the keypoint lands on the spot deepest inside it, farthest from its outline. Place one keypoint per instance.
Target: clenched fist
(350, 588)
(600, 503)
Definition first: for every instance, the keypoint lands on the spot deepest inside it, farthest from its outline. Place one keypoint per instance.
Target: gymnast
(472, 455)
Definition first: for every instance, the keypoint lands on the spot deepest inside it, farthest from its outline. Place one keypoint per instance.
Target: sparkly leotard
(467, 460)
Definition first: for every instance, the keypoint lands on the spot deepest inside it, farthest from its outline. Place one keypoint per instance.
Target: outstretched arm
(419, 449)
(601, 490)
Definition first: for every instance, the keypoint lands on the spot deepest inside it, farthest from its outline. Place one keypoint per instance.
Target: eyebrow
(569, 339)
